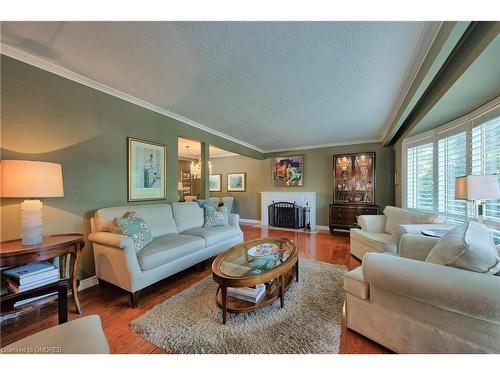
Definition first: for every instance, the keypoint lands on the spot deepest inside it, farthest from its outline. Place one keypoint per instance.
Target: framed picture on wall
(147, 163)
(215, 182)
(288, 170)
(185, 176)
(236, 181)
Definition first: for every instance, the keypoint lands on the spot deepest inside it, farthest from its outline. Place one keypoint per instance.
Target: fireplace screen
(286, 215)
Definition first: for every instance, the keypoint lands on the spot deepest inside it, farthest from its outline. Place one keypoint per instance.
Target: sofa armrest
(465, 292)
(417, 247)
(372, 223)
(234, 220)
(418, 228)
(111, 239)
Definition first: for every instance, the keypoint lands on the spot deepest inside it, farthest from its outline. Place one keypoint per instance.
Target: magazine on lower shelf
(31, 300)
(15, 288)
(249, 294)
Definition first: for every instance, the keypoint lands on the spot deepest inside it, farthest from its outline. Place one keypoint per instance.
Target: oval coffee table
(273, 261)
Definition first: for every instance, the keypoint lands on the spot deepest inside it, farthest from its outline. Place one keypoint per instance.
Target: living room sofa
(412, 306)
(180, 241)
(381, 233)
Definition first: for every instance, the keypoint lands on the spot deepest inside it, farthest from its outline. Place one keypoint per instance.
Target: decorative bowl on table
(263, 250)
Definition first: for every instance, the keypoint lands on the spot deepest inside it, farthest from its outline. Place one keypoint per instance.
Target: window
(420, 171)
(485, 147)
(468, 145)
(452, 163)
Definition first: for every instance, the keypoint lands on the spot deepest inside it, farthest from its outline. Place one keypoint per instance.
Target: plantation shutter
(452, 163)
(485, 146)
(419, 178)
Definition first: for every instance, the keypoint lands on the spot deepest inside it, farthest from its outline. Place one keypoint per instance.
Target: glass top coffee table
(270, 261)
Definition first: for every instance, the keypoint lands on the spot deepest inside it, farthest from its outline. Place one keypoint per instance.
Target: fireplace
(286, 215)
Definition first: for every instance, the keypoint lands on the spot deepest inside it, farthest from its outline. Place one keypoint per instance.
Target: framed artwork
(185, 176)
(236, 181)
(215, 182)
(288, 170)
(354, 178)
(147, 163)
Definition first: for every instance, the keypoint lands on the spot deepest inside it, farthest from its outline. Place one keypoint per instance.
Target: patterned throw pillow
(215, 217)
(133, 226)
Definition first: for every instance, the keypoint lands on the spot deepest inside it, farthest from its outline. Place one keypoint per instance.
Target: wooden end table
(236, 267)
(13, 253)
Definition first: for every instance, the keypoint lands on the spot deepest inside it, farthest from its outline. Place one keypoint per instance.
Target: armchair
(411, 306)
(381, 233)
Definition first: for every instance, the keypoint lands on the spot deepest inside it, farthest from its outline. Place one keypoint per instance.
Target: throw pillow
(469, 247)
(133, 226)
(215, 217)
(205, 202)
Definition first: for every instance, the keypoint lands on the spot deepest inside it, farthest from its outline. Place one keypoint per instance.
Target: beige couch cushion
(79, 336)
(355, 284)
(396, 216)
(158, 217)
(168, 248)
(469, 247)
(214, 235)
(379, 241)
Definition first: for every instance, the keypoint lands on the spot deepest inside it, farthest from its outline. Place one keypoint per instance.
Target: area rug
(191, 323)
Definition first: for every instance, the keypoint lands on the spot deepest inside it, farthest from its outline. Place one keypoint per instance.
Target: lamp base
(31, 222)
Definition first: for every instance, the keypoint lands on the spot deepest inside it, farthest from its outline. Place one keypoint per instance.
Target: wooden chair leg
(133, 298)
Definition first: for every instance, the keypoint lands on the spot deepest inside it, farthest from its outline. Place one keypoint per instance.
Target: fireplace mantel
(299, 197)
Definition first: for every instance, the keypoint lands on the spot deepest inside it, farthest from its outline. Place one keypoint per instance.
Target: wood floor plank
(113, 305)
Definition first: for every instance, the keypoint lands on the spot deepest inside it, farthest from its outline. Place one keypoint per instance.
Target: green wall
(318, 177)
(49, 118)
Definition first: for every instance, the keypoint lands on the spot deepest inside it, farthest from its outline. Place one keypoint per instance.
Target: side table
(13, 253)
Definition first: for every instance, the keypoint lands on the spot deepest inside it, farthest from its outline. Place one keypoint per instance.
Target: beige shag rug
(191, 323)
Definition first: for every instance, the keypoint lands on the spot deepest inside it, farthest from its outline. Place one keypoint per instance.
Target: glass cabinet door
(354, 178)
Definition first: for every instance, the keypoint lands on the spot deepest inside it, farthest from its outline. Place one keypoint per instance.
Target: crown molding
(325, 145)
(66, 73)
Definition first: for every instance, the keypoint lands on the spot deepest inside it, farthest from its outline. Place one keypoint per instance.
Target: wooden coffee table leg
(224, 304)
(282, 290)
(74, 282)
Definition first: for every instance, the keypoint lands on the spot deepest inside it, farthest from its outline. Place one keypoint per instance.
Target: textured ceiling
(188, 148)
(271, 84)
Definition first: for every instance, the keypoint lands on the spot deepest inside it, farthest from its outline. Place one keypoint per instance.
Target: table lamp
(30, 179)
(477, 189)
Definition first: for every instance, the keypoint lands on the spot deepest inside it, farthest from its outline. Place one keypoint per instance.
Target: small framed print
(236, 181)
(186, 176)
(215, 182)
(147, 162)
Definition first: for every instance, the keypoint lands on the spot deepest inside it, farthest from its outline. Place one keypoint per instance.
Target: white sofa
(381, 233)
(411, 306)
(180, 241)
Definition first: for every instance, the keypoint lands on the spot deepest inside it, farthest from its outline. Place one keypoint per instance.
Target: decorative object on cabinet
(288, 170)
(30, 179)
(146, 170)
(215, 182)
(343, 217)
(354, 178)
(236, 181)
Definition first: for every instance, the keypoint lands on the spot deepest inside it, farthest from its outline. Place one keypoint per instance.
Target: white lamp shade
(481, 187)
(30, 179)
(179, 186)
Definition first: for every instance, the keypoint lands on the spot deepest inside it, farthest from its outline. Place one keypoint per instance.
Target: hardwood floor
(113, 306)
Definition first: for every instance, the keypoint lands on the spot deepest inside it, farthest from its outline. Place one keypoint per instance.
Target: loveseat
(180, 241)
(381, 233)
(412, 306)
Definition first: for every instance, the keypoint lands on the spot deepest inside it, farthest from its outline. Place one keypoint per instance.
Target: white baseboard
(249, 221)
(87, 283)
(323, 227)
